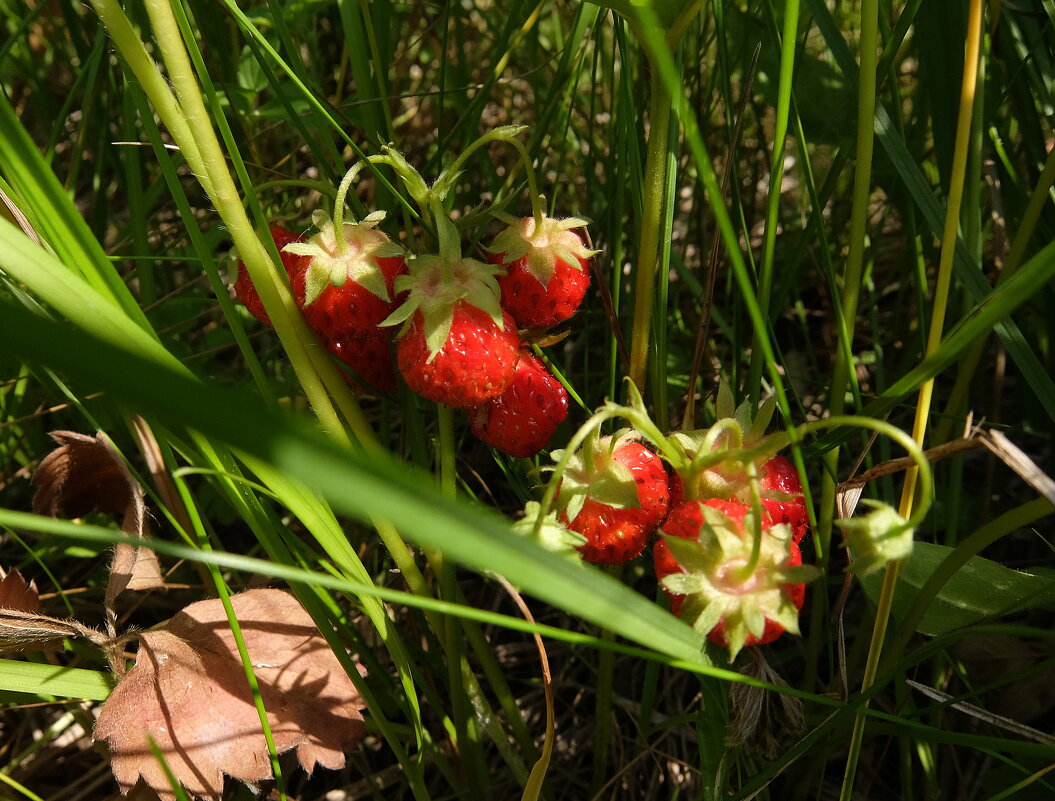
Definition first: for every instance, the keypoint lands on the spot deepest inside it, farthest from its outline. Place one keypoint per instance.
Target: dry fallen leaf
(189, 693)
(86, 473)
(18, 594)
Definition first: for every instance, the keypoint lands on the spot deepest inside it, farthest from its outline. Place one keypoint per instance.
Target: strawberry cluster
(447, 324)
(729, 512)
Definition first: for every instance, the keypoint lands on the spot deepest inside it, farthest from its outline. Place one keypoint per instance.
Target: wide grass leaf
(980, 589)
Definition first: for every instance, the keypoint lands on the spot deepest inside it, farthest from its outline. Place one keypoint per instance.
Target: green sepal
(594, 473)
(701, 614)
(435, 288)
(682, 583)
(552, 534)
(875, 539)
(695, 556)
(554, 241)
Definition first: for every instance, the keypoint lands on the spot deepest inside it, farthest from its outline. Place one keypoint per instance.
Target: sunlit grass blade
(380, 486)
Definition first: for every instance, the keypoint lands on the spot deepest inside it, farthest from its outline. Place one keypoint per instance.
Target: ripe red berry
(295, 267)
(349, 285)
(457, 346)
(778, 484)
(546, 269)
(369, 355)
(701, 562)
(782, 496)
(522, 419)
(615, 493)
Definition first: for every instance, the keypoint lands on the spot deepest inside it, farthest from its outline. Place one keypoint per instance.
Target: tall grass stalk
(972, 54)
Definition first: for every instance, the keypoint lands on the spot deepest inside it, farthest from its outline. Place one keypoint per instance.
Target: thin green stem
(851, 284)
(216, 179)
(788, 45)
(655, 192)
(339, 203)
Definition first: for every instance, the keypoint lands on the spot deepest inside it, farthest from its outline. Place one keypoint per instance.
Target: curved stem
(538, 207)
(911, 446)
(339, 203)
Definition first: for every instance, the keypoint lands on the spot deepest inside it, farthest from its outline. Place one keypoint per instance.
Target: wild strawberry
(715, 468)
(522, 419)
(369, 355)
(615, 493)
(778, 485)
(547, 269)
(349, 280)
(295, 267)
(457, 347)
(707, 547)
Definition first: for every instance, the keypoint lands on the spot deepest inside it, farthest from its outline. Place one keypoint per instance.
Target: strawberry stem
(447, 238)
(778, 440)
(590, 428)
(507, 134)
(538, 207)
(338, 205)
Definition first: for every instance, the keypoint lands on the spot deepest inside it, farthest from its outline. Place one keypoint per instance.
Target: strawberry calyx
(877, 538)
(549, 532)
(542, 244)
(435, 286)
(353, 256)
(718, 462)
(714, 553)
(593, 472)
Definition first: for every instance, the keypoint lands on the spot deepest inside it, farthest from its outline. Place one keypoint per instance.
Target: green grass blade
(353, 483)
(62, 682)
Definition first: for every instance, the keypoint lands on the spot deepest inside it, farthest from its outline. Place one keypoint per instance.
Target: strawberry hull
(721, 549)
(534, 305)
(350, 307)
(545, 269)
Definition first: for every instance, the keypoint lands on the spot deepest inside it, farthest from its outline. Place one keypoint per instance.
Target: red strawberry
(700, 563)
(778, 484)
(714, 466)
(522, 419)
(295, 267)
(349, 281)
(369, 355)
(615, 493)
(547, 269)
(458, 347)
(782, 496)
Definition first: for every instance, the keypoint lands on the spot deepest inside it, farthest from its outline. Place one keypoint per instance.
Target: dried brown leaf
(19, 594)
(86, 473)
(188, 691)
